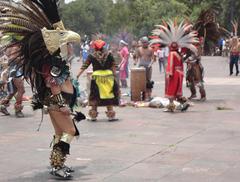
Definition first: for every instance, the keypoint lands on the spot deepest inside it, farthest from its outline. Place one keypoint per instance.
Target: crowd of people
(41, 53)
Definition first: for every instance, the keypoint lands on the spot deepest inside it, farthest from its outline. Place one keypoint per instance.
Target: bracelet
(58, 99)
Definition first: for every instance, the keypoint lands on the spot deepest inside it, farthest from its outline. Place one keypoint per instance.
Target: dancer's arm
(84, 67)
(153, 58)
(56, 95)
(114, 66)
(55, 83)
(136, 56)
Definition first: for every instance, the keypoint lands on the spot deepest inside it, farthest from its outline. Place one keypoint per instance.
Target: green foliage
(139, 16)
(86, 16)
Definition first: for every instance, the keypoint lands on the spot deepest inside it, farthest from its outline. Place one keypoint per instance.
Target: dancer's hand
(65, 110)
(80, 73)
(169, 76)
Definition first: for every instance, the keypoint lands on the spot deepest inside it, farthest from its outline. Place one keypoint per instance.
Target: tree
(138, 17)
(227, 10)
(86, 16)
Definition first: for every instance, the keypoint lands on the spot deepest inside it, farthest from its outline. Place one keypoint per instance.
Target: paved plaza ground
(145, 145)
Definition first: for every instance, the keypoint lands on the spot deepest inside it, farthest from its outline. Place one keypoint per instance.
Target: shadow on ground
(44, 176)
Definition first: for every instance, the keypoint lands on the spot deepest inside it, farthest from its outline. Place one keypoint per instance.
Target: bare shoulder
(138, 51)
(150, 49)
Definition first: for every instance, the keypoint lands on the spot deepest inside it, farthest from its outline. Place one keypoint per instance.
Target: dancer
(194, 75)
(43, 55)
(104, 89)
(162, 55)
(175, 37)
(3, 82)
(14, 78)
(145, 56)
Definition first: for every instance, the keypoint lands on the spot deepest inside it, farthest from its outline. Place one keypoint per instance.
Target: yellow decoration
(105, 81)
(67, 138)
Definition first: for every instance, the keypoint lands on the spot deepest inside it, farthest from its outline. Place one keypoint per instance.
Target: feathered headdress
(207, 26)
(170, 33)
(25, 18)
(41, 36)
(235, 27)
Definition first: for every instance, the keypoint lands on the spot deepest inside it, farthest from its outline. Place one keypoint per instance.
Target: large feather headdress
(235, 27)
(26, 19)
(40, 33)
(181, 34)
(207, 26)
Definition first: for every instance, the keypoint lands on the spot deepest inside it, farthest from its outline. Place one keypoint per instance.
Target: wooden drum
(138, 83)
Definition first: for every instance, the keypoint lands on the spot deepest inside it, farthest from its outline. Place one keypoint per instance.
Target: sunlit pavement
(201, 145)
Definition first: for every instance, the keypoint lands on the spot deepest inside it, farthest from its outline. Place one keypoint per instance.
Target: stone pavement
(145, 145)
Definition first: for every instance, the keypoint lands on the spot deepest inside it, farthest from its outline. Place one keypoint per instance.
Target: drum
(138, 83)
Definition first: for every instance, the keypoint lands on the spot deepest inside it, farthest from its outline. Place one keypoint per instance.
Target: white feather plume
(180, 34)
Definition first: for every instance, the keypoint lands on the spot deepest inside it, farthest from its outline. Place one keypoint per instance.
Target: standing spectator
(221, 43)
(123, 66)
(162, 55)
(234, 55)
(85, 49)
